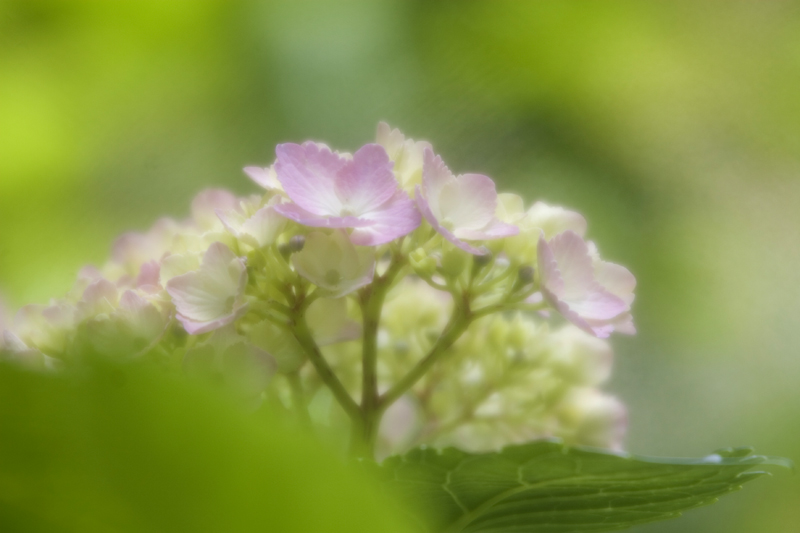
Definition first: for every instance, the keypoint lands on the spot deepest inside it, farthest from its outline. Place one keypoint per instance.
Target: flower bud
(422, 263)
(525, 274)
(295, 244)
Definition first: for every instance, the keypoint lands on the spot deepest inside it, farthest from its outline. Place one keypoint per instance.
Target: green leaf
(545, 486)
(130, 449)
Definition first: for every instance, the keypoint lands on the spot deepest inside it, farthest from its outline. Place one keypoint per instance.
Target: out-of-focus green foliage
(674, 126)
(128, 449)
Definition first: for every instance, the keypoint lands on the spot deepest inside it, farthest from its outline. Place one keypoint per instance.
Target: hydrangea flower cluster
(374, 291)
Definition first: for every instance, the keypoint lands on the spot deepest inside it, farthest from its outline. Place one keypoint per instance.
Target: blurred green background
(673, 126)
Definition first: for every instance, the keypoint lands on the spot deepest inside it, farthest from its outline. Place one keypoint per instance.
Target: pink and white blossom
(461, 208)
(334, 264)
(11, 346)
(149, 277)
(213, 296)
(333, 191)
(47, 328)
(594, 296)
(130, 329)
(13, 349)
(206, 204)
(131, 250)
(619, 281)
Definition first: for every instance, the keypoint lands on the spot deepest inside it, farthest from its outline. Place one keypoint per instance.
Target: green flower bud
(295, 244)
(423, 265)
(525, 274)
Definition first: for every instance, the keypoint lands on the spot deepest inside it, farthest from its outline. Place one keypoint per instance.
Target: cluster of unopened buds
(375, 291)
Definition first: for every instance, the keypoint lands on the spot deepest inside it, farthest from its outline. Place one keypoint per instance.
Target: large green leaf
(545, 486)
(127, 449)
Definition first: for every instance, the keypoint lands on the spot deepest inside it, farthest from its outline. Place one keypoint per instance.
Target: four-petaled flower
(594, 295)
(332, 263)
(330, 190)
(213, 296)
(460, 207)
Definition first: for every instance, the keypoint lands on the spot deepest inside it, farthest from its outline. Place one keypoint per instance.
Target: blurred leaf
(547, 487)
(128, 449)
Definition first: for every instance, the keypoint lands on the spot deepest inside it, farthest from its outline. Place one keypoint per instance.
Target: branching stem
(460, 320)
(371, 299)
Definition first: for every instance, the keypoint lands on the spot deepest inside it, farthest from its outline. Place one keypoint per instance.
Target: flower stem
(371, 300)
(459, 322)
(325, 372)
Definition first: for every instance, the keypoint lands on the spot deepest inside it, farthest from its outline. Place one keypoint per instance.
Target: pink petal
(424, 208)
(616, 279)
(622, 323)
(395, 218)
(308, 174)
(194, 327)
(574, 264)
(229, 221)
(301, 216)
(206, 203)
(564, 309)
(264, 177)
(598, 304)
(469, 202)
(495, 229)
(131, 301)
(149, 275)
(435, 174)
(264, 226)
(202, 298)
(89, 273)
(129, 247)
(367, 181)
(100, 292)
(568, 284)
(552, 282)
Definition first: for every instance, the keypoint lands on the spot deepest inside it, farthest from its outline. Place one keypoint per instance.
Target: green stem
(459, 322)
(507, 306)
(325, 372)
(372, 299)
